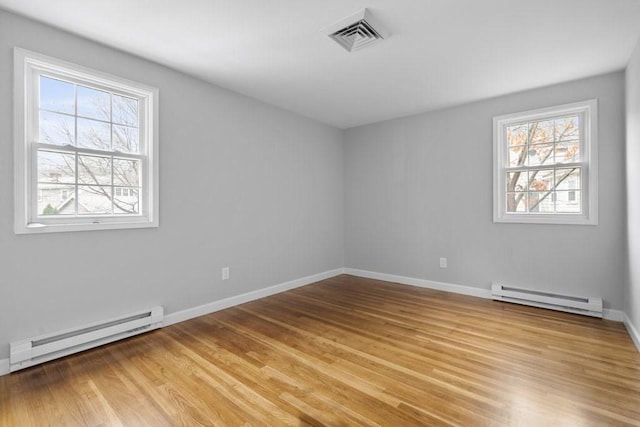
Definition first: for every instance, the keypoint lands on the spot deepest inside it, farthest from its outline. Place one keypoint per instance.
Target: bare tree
(537, 142)
(110, 128)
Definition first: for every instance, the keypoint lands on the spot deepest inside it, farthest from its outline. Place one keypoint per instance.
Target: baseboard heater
(32, 351)
(571, 304)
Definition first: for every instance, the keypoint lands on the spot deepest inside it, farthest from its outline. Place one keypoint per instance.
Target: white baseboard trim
(214, 306)
(422, 283)
(190, 313)
(615, 315)
(608, 314)
(633, 332)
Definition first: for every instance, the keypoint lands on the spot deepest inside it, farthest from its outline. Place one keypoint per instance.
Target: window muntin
(87, 155)
(545, 165)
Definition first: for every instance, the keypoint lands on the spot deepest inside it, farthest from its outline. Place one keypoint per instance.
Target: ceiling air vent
(356, 31)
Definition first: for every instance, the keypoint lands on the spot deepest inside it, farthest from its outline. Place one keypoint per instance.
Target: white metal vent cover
(356, 31)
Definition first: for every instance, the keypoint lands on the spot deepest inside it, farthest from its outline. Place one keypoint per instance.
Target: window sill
(559, 219)
(37, 228)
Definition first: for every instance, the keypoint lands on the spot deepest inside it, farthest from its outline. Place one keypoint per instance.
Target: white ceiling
(440, 52)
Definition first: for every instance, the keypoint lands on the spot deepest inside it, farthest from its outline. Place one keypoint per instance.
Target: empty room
(331, 213)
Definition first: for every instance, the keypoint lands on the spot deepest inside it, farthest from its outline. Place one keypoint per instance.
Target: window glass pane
(125, 139)
(56, 199)
(517, 135)
(517, 181)
(126, 172)
(128, 202)
(56, 167)
(58, 129)
(125, 110)
(567, 152)
(94, 104)
(541, 202)
(568, 129)
(94, 170)
(94, 200)
(517, 156)
(517, 202)
(541, 180)
(568, 179)
(56, 95)
(568, 201)
(541, 131)
(94, 134)
(540, 154)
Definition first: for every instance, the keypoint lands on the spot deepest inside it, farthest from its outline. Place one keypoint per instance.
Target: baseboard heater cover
(571, 304)
(43, 348)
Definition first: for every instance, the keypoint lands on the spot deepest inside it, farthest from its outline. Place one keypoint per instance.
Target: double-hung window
(86, 148)
(545, 165)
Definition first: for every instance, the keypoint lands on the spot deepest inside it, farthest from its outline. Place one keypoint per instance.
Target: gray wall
(420, 187)
(277, 197)
(632, 295)
(242, 184)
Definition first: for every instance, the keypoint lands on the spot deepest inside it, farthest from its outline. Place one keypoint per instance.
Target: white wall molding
(633, 332)
(608, 314)
(181, 316)
(615, 315)
(190, 313)
(421, 283)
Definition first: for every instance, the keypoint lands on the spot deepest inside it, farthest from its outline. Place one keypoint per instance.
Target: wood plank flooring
(345, 351)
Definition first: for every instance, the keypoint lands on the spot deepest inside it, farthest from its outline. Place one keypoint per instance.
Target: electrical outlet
(225, 273)
(443, 262)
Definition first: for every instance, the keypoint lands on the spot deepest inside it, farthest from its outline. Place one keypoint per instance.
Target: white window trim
(25, 64)
(589, 171)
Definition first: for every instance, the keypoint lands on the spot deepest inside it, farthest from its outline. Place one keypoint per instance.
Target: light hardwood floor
(345, 351)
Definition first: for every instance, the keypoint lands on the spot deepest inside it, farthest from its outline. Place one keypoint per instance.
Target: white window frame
(28, 66)
(587, 110)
